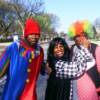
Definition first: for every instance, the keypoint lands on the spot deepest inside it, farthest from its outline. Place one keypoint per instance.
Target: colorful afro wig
(80, 27)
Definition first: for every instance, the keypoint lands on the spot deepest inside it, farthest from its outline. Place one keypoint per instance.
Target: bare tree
(16, 11)
(13, 14)
(27, 8)
(6, 17)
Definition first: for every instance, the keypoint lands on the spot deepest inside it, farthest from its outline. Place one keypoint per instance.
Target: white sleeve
(90, 64)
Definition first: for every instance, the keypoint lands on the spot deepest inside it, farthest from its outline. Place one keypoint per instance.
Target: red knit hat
(31, 27)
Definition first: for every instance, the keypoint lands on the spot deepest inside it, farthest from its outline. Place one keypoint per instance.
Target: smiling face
(58, 50)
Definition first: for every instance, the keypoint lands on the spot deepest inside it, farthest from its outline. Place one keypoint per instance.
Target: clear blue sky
(69, 11)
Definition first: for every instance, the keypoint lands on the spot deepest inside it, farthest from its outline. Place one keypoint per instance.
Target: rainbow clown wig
(80, 27)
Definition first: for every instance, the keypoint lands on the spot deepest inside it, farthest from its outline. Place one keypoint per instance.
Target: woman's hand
(48, 69)
(85, 42)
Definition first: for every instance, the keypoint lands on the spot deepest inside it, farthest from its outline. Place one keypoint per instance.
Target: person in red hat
(21, 61)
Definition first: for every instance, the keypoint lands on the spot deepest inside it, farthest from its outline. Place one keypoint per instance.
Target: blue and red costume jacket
(22, 65)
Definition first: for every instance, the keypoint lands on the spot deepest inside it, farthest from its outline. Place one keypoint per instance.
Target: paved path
(41, 86)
